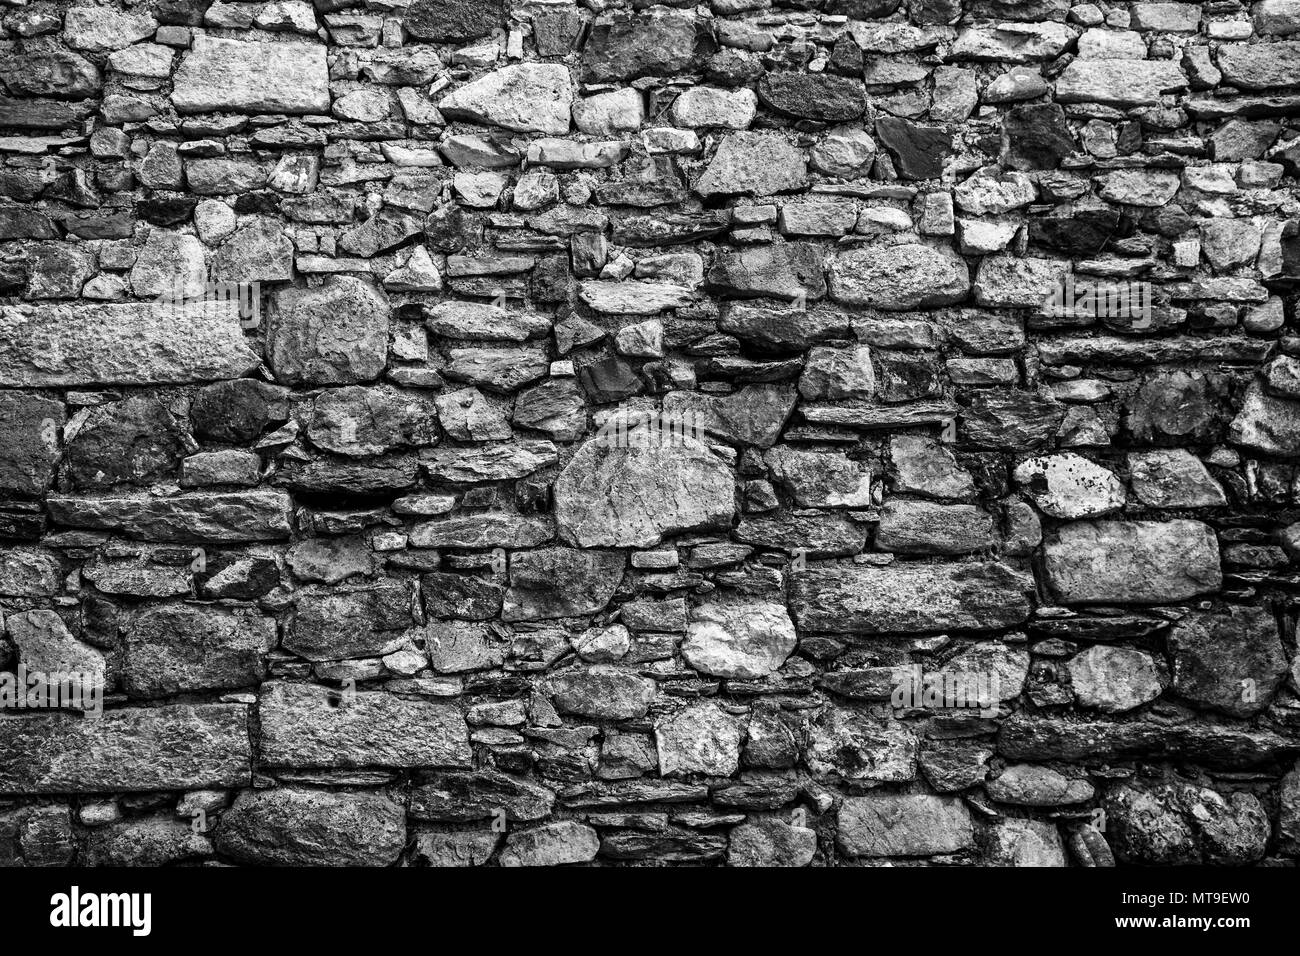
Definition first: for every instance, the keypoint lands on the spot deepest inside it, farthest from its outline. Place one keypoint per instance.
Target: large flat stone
(306, 725)
(137, 343)
(1143, 562)
(179, 747)
(240, 76)
(1119, 82)
(261, 515)
(905, 276)
(910, 598)
(609, 496)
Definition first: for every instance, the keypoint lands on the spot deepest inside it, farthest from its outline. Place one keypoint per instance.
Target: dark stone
(1036, 136)
(660, 43)
(918, 151)
(445, 21)
(822, 97)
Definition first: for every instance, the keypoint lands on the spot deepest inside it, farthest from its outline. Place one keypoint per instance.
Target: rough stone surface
(607, 413)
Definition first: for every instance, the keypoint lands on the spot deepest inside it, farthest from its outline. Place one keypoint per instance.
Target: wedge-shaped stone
(609, 496)
(291, 826)
(306, 725)
(910, 598)
(466, 796)
(524, 97)
(139, 343)
(261, 515)
(180, 747)
(234, 75)
(1143, 562)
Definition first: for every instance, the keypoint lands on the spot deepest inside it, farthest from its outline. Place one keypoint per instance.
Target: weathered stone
(561, 582)
(924, 527)
(552, 844)
(180, 746)
(452, 20)
(918, 151)
(333, 624)
(1114, 679)
(1260, 67)
(661, 42)
(29, 429)
(305, 725)
(1030, 785)
(769, 843)
(524, 97)
(187, 647)
(603, 692)
(923, 466)
(290, 826)
(700, 739)
(1143, 562)
(910, 598)
(1070, 486)
(334, 334)
(1231, 661)
(906, 276)
(753, 164)
(609, 496)
(1119, 82)
(823, 97)
(899, 825)
(261, 515)
(1173, 478)
(739, 640)
(467, 796)
(122, 344)
(219, 74)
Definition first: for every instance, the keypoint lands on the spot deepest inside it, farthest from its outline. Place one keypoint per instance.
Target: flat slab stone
(306, 725)
(178, 747)
(1142, 562)
(1119, 82)
(223, 75)
(138, 343)
(227, 516)
(910, 598)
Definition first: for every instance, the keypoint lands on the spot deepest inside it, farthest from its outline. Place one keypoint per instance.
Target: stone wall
(539, 433)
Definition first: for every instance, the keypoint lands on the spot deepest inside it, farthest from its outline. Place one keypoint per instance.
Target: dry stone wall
(777, 432)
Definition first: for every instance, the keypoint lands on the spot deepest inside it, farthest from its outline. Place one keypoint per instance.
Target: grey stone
(292, 826)
(1143, 562)
(219, 74)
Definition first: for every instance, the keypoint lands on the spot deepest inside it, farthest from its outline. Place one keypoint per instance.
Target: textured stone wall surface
(482, 432)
